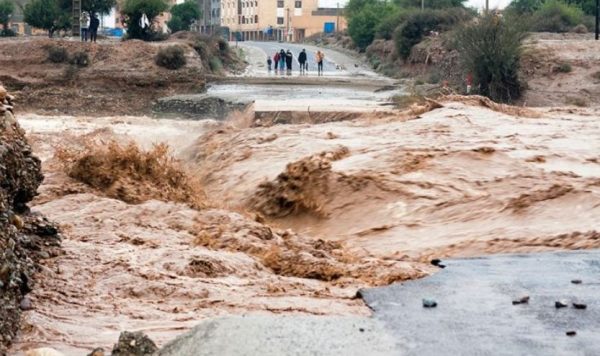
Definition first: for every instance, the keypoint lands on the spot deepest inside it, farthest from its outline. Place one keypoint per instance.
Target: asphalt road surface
(474, 316)
(335, 63)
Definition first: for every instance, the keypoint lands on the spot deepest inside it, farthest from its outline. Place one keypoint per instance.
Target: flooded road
(301, 216)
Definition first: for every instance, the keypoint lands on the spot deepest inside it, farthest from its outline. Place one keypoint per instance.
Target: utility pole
(422, 4)
(337, 20)
(287, 34)
(487, 6)
(597, 18)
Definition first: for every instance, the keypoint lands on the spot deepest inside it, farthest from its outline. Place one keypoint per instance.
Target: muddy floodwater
(462, 180)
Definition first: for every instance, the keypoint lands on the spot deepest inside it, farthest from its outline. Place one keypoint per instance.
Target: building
(210, 22)
(280, 20)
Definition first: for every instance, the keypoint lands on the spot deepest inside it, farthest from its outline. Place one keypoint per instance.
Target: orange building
(284, 20)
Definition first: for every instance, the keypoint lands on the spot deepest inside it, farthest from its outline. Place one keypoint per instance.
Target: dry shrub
(128, 173)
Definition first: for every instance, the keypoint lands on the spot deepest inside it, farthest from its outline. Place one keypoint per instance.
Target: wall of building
(284, 20)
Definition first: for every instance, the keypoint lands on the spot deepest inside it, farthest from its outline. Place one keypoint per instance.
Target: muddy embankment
(109, 77)
(25, 237)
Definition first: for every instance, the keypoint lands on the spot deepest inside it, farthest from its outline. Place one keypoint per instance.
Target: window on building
(280, 20)
(298, 4)
(255, 18)
(280, 4)
(256, 4)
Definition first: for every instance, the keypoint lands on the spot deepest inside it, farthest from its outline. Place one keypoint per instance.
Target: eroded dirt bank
(25, 237)
(298, 217)
(54, 76)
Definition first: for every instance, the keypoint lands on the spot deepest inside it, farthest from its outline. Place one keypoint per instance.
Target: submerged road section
(475, 315)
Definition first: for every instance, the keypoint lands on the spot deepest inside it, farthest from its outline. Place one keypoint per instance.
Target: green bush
(390, 22)
(490, 51)
(215, 64)
(57, 54)
(420, 23)
(80, 59)
(556, 16)
(7, 32)
(362, 25)
(563, 68)
(171, 57)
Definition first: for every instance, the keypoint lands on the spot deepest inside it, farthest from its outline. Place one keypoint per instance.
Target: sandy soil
(547, 84)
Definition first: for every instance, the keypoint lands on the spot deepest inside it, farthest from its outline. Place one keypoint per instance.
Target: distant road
(335, 63)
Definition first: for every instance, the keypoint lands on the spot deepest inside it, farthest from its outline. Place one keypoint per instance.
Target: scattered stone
(26, 304)
(362, 330)
(571, 333)
(436, 261)
(576, 281)
(561, 304)
(134, 344)
(441, 265)
(522, 300)
(429, 303)
(578, 305)
(98, 351)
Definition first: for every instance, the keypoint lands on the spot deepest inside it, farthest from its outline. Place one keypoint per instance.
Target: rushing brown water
(458, 181)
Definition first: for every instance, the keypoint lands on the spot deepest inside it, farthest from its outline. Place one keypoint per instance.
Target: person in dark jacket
(302, 61)
(289, 57)
(94, 24)
(276, 60)
(269, 62)
(281, 60)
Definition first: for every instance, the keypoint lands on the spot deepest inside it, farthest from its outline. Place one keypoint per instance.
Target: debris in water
(578, 305)
(571, 333)
(561, 304)
(576, 281)
(522, 300)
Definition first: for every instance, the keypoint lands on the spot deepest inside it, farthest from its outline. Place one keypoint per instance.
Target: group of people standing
(89, 26)
(283, 60)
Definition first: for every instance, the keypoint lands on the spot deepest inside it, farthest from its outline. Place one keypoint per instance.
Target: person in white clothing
(84, 23)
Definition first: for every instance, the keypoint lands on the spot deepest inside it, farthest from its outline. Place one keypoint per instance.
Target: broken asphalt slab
(474, 315)
(273, 335)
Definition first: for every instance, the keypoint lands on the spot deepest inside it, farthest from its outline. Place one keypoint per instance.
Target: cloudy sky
(493, 3)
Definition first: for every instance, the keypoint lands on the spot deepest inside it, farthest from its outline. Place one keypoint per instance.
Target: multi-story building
(211, 16)
(282, 20)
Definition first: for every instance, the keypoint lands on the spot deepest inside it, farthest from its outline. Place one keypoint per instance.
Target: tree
(183, 15)
(431, 4)
(522, 7)
(97, 6)
(6, 10)
(353, 7)
(490, 50)
(135, 9)
(364, 23)
(50, 15)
